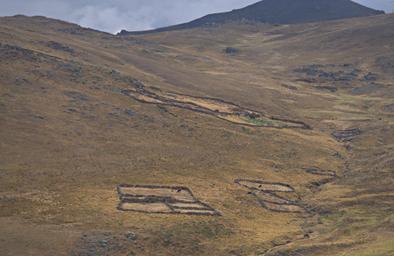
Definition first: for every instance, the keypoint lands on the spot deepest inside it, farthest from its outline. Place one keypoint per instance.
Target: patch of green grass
(261, 121)
(266, 122)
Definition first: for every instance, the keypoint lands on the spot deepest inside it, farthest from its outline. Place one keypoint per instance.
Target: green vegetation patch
(265, 121)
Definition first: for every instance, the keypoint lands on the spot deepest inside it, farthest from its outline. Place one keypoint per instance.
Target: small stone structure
(161, 199)
(265, 192)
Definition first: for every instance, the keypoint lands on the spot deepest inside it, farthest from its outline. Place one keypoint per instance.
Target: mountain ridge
(276, 12)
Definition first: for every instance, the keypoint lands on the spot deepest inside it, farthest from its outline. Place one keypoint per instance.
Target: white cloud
(385, 5)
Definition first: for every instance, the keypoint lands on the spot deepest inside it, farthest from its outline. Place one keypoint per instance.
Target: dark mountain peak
(279, 12)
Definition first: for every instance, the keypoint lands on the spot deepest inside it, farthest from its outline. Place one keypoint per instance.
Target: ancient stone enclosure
(215, 107)
(267, 194)
(161, 199)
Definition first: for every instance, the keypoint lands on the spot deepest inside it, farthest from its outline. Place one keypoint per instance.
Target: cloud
(384, 5)
(112, 16)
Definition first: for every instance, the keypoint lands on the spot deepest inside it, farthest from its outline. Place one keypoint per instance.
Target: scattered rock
(116, 75)
(121, 114)
(231, 50)
(20, 81)
(346, 135)
(73, 69)
(71, 110)
(385, 63)
(327, 88)
(338, 155)
(389, 108)
(290, 87)
(39, 117)
(371, 77)
(129, 112)
(131, 236)
(76, 95)
(100, 244)
(138, 84)
(316, 185)
(60, 47)
(329, 73)
(349, 148)
(103, 243)
(13, 52)
(252, 115)
(369, 88)
(77, 30)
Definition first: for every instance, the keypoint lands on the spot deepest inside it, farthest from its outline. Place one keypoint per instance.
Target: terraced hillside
(280, 137)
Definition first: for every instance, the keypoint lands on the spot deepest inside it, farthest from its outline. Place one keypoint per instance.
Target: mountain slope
(82, 112)
(279, 12)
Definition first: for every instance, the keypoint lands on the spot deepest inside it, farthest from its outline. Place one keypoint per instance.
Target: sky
(114, 15)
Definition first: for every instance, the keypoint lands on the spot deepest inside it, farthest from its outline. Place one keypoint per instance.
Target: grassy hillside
(82, 112)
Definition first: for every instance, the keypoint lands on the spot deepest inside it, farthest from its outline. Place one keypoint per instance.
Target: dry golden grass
(69, 137)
